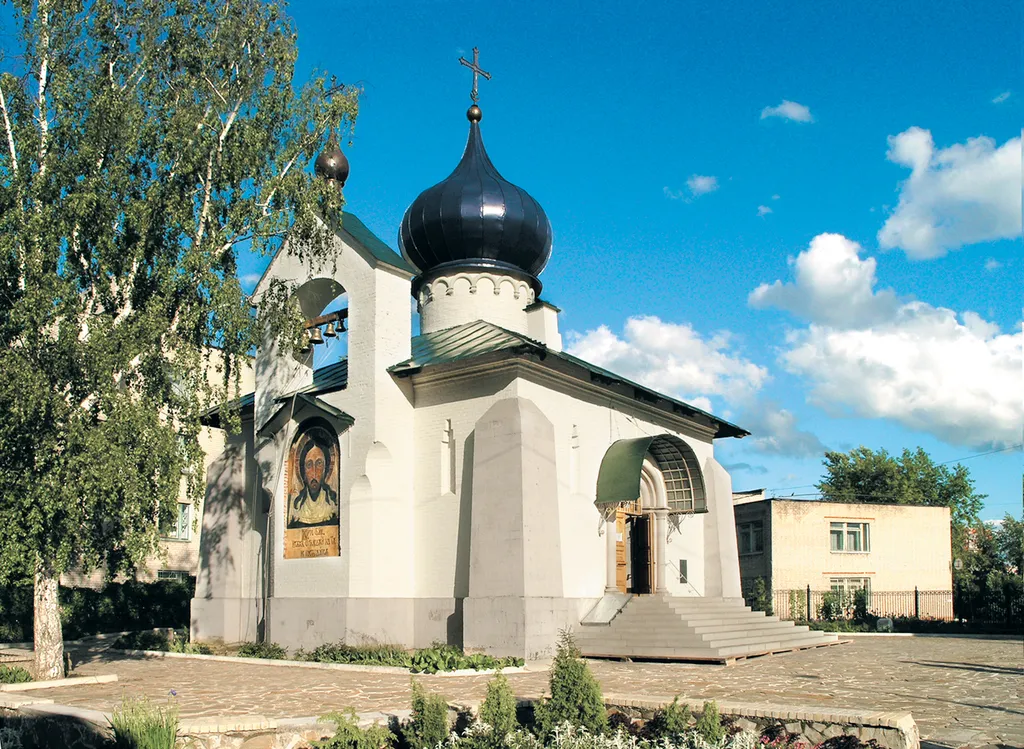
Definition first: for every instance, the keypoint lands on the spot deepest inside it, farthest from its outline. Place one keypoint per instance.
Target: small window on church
(682, 571)
(447, 458)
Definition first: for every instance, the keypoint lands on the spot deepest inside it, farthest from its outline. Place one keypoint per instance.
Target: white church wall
(596, 426)
(447, 301)
(376, 487)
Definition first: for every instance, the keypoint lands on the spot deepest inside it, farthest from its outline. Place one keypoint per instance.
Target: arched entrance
(640, 484)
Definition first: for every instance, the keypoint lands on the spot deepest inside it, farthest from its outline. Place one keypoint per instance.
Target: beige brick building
(888, 549)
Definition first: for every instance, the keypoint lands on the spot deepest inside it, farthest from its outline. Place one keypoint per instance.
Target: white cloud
(673, 359)
(992, 264)
(1001, 98)
(964, 194)
(954, 376)
(833, 286)
(776, 197)
(673, 194)
(700, 184)
(763, 210)
(788, 110)
(249, 280)
(774, 431)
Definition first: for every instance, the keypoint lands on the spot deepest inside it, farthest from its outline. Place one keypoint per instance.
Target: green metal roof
(325, 380)
(475, 339)
(356, 229)
(618, 479)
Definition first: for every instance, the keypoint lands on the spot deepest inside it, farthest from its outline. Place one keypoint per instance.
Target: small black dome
(476, 219)
(332, 164)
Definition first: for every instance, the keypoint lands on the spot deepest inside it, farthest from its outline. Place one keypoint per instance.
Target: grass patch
(437, 657)
(14, 675)
(269, 650)
(139, 724)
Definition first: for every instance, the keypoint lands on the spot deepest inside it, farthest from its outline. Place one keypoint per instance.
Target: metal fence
(806, 604)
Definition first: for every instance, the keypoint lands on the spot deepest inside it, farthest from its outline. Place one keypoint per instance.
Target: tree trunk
(48, 639)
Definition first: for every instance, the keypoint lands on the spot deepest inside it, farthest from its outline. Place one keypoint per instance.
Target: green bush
(269, 650)
(832, 607)
(370, 655)
(438, 657)
(139, 724)
(145, 640)
(575, 694)
(760, 597)
(429, 723)
(669, 722)
(498, 711)
(709, 724)
(348, 734)
(14, 675)
(797, 606)
(117, 607)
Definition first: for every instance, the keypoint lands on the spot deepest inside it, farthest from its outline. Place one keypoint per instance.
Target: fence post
(810, 615)
(917, 603)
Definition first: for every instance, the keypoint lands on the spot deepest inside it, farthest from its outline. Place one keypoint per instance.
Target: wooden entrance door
(640, 553)
(620, 549)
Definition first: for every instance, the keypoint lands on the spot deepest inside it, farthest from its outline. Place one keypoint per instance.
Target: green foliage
(145, 144)
(118, 607)
(709, 724)
(175, 642)
(144, 640)
(429, 723)
(438, 657)
(348, 734)
(139, 724)
(863, 475)
(14, 675)
(270, 650)
(860, 607)
(797, 606)
(669, 722)
(498, 711)
(760, 597)
(833, 606)
(575, 694)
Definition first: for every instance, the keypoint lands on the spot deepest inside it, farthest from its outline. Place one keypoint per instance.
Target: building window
(849, 537)
(178, 575)
(682, 492)
(180, 528)
(847, 586)
(447, 458)
(751, 537)
(683, 574)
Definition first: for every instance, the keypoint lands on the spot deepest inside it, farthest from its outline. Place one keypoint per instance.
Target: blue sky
(864, 156)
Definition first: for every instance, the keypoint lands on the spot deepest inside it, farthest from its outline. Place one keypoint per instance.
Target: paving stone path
(961, 691)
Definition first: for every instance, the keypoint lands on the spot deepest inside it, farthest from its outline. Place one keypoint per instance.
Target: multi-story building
(900, 554)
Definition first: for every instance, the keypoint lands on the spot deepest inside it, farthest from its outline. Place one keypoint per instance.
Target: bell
(315, 337)
(305, 344)
(329, 331)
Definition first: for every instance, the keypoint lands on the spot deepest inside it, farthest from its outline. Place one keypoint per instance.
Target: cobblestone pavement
(961, 692)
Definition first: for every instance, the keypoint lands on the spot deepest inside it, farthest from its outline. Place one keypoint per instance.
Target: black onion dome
(476, 220)
(332, 164)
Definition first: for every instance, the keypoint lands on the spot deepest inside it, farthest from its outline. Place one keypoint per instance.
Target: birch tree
(143, 145)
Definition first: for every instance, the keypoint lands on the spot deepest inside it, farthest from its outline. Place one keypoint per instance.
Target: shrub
(797, 606)
(429, 723)
(145, 640)
(14, 675)
(372, 655)
(832, 607)
(575, 694)
(669, 722)
(348, 734)
(138, 724)
(269, 650)
(761, 597)
(498, 711)
(180, 642)
(709, 724)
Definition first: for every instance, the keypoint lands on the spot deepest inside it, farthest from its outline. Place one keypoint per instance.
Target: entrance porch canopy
(618, 479)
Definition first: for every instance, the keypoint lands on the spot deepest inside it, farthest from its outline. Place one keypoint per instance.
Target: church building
(473, 484)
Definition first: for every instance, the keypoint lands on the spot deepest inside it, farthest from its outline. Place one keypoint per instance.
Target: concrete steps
(715, 629)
